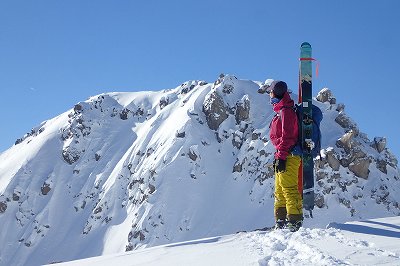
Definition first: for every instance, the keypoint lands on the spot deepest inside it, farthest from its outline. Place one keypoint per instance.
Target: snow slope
(369, 242)
(125, 171)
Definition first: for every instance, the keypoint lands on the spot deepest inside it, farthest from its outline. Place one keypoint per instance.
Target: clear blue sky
(54, 54)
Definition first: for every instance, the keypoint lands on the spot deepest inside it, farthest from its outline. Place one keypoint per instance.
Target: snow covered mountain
(123, 171)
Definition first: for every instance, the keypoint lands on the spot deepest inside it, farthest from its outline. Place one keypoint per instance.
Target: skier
(284, 130)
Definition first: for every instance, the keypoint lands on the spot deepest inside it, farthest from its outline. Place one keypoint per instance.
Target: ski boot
(294, 226)
(280, 224)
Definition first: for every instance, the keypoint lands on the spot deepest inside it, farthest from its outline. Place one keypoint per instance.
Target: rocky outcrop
(16, 195)
(264, 87)
(193, 152)
(237, 167)
(379, 144)
(3, 206)
(71, 155)
(215, 110)
(45, 189)
(326, 95)
(345, 122)
(33, 133)
(347, 141)
(164, 101)
(354, 158)
(180, 134)
(220, 79)
(381, 165)
(124, 113)
(332, 160)
(346, 169)
(237, 139)
(360, 167)
(242, 109)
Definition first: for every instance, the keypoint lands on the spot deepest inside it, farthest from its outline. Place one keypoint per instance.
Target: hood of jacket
(286, 101)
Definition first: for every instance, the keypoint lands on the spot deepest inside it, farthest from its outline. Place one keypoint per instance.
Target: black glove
(279, 165)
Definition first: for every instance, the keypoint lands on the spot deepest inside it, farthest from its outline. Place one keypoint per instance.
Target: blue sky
(54, 54)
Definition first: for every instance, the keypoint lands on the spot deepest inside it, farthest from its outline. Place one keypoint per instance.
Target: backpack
(316, 130)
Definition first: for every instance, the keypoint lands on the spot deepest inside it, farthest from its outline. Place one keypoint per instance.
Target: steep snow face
(122, 171)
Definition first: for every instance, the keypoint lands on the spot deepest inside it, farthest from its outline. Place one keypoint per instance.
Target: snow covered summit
(122, 171)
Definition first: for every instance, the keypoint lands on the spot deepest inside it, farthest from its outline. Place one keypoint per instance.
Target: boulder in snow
(215, 110)
(379, 144)
(242, 109)
(45, 189)
(193, 152)
(238, 166)
(237, 140)
(326, 95)
(164, 101)
(78, 108)
(263, 88)
(333, 162)
(381, 165)
(345, 122)
(357, 153)
(340, 107)
(360, 167)
(180, 134)
(319, 200)
(71, 155)
(124, 114)
(347, 141)
(220, 79)
(3, 206)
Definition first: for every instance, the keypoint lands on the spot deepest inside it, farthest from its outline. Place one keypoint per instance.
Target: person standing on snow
(284, 130)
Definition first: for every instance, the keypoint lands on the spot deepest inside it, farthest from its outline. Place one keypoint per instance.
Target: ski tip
(305, 45)
(333, 225)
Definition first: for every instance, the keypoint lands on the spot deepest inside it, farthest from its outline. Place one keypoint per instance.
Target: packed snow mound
(123, 171)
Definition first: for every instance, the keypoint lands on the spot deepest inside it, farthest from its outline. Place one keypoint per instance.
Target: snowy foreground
(369, 242)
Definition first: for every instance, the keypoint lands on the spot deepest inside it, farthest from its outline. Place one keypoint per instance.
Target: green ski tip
(305, 45)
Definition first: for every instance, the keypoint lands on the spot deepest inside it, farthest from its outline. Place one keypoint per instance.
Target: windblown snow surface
(129, 171)
(369, 242)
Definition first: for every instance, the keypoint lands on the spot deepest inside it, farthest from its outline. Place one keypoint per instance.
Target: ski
(264, 229)
(305, 99)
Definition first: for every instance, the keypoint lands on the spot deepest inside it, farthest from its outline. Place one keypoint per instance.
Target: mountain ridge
(123, 171)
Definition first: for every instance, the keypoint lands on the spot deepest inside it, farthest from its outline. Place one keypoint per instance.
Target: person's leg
(289, 186)
(280, 212)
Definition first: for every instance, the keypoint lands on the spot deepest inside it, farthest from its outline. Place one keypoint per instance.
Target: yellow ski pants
(287, 195)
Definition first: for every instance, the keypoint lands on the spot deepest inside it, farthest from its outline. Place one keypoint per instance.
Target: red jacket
(284, 127)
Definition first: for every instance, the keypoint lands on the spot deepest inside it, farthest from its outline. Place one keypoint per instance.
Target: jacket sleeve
(290, 131)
